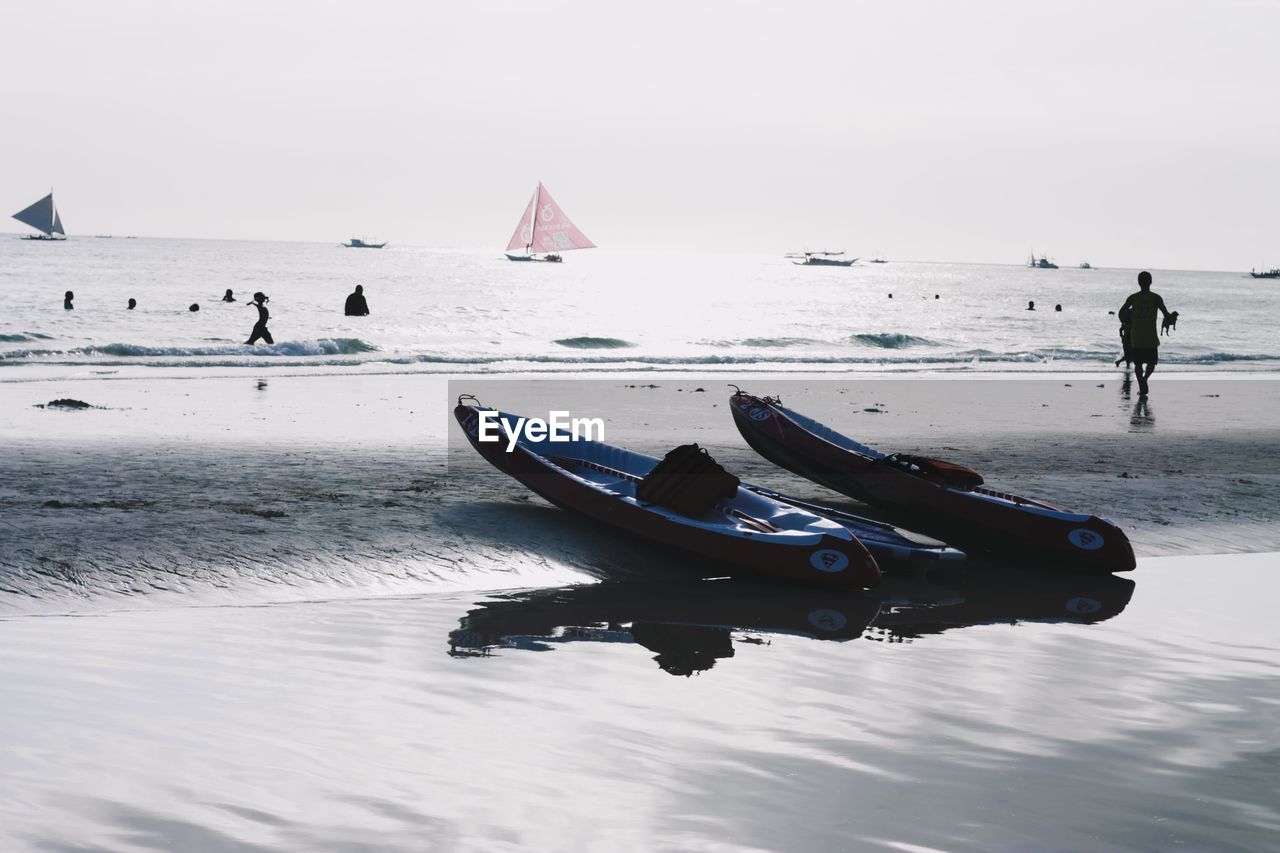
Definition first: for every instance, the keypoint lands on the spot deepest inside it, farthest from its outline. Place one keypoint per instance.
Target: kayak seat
(688, 481)
(936, 471)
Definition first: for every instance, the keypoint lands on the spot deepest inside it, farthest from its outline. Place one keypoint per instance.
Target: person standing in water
(66, 301)
(260, 300)
(356, 305)
(1139, 310)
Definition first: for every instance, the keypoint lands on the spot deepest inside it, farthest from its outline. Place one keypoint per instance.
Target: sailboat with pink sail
(544, 231)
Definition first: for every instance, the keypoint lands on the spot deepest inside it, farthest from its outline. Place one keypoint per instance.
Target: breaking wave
(24, 338)
(586, 342)
(323, 346)
(770, 343)
(339, 352)
(891, 340)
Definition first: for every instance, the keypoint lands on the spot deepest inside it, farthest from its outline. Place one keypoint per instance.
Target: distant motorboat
(1042, 264)
(823, 259)
(357, 243)
(42, 216)
(544, 231)
(1272, 273)
(1085, 265)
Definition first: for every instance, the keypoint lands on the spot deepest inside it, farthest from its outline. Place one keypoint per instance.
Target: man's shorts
(1146, 355)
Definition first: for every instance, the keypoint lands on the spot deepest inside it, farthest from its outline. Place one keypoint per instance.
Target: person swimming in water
(260, 301)
(133, 303)
(66, 301)
(356, 305)
(227, 297)
(1144, 340)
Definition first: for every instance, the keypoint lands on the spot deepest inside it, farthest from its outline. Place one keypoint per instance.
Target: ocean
(267, 599)
(453, 310)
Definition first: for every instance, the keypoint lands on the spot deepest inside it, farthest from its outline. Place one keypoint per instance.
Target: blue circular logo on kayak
(1083, 605)
(759, 413)
(1085, 539)
(828, 620)
(829, 560)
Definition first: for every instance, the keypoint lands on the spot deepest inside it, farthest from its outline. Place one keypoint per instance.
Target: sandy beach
(276, 611)
(282, 609)
(278, 487)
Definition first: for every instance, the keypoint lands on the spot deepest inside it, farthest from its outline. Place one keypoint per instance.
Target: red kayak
(942, 498)
(746, 532)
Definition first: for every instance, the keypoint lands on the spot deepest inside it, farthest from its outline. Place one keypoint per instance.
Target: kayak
(892, 546)
(748, 532)
(945, 499)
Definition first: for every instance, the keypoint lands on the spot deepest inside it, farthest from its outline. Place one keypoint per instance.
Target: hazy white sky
(1122, 132)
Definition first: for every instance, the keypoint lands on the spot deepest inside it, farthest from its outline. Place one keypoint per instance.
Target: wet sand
(241, 490)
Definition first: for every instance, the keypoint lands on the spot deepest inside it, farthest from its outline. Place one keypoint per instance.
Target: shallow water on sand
(957, 722)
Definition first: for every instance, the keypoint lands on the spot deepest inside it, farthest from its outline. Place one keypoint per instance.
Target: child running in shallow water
(1126, 331)
(260, 300)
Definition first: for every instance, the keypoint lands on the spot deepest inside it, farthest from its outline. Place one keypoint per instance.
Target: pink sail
(524, 232)
(550, 230)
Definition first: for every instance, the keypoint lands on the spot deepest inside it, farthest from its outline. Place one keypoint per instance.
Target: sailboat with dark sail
(544, 231)
(42, 216)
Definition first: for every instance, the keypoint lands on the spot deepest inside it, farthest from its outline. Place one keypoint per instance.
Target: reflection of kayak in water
(690, 625)
(993, 595)
(943, 498)
(744, 532)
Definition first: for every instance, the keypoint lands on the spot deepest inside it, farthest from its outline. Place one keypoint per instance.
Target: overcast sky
(1125, 133)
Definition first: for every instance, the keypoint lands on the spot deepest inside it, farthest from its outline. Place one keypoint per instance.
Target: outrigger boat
(753, 530)
(1275, 273)
(823, 259)
(945, 499)
(544, 231)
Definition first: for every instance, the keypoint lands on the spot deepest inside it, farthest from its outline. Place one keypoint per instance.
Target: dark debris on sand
(66, 403)
(243, 509)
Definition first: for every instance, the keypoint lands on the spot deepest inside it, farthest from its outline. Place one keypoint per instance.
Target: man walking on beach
(356, 305)
(260, 300)
(1139, 312)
